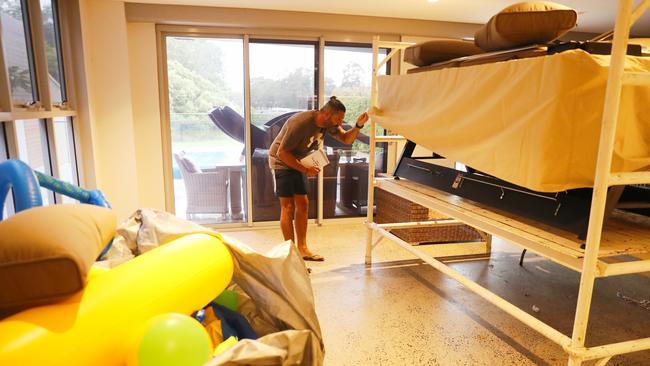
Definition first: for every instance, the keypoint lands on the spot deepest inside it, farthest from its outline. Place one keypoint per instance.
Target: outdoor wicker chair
(207, 192)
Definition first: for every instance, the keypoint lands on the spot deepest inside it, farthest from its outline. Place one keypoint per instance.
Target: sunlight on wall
(110, 106)
(146, 114)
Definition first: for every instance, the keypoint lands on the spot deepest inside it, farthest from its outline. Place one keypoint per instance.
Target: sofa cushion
(525, 23)
(46, 252)
(439, 50)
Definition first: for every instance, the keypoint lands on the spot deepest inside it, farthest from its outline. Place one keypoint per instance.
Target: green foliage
(294, 91)
(52, 62)
(201, 55)
(195, 73)
(196, 85)
(191, 97)
(190, 93)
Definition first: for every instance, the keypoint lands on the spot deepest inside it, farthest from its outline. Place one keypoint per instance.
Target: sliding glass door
(348, 74)
(206, 77)
(205, 80)
(283, 81)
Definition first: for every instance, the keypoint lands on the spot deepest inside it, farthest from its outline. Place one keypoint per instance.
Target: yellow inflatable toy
(95, 326)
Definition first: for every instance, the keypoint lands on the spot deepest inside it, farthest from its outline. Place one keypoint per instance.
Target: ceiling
(595, 16)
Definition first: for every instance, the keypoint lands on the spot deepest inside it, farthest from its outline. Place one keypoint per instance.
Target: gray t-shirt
(300, 136)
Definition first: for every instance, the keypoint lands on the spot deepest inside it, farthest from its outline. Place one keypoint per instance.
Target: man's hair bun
(334, 104)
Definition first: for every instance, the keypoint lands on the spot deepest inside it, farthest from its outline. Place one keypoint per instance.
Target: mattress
(534, 122)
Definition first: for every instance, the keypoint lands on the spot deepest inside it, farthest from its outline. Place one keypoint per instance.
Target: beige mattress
(533, 122)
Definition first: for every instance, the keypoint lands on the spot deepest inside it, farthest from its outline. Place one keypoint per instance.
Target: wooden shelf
(624, 234)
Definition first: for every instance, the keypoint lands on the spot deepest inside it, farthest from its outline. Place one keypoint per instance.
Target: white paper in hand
(317, 158)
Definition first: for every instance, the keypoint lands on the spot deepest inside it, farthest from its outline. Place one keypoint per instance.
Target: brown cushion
(483, 58)
(439, 50)
(46, 252)
(525, 24)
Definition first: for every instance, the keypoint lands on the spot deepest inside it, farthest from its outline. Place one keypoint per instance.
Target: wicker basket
(392, 208)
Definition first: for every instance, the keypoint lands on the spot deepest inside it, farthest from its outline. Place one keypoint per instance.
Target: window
(66, 159)
(205, 80)
(8, 209)
(33, 150)
(348, 75)
(4, 153)
(53, 51)
(282, 79)
(16, 40)
(282, 82)
(206, 113)
(36, 131)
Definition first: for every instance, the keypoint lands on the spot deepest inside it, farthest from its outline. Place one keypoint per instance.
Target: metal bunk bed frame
(601, 242)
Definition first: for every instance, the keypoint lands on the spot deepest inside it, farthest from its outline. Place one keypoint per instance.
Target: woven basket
(392, 208)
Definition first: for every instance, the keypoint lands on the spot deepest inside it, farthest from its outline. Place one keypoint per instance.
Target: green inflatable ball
(174, 340)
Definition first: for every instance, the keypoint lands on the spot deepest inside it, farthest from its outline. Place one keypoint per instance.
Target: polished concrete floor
(401, 311)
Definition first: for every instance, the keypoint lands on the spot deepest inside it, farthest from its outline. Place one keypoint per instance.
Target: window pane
(17, 50)
(8, 209)
(3, 143)
(206, 105)
(33, 150)
(53, 50)
(282, 79)
(65, 153)
(348, 75)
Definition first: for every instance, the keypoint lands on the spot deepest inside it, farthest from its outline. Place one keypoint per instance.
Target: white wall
(146, 114)
(110, 112)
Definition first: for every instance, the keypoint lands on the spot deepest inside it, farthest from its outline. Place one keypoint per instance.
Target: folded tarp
(533, 122)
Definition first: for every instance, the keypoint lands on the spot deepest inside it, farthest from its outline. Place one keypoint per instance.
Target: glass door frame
(320, 39)
(165, 117)
(316, 100)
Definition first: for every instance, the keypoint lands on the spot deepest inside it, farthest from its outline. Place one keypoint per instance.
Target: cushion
(188, 164)
(46, 252)
(484, 58)
(525, 24)
(439, 50)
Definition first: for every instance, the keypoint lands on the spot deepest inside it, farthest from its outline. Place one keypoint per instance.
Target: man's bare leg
(287, 209)
(302, 210)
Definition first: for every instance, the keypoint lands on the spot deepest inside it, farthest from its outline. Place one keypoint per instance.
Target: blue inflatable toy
(26, 183)
(19, 176)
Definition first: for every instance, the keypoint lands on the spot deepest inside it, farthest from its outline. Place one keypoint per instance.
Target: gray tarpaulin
(275, 291)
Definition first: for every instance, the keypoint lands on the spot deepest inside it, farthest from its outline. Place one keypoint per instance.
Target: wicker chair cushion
(189, 165)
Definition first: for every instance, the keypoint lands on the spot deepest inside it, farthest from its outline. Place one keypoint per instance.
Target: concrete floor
(401, 311)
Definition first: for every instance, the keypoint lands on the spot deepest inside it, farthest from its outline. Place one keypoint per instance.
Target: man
(300, 135)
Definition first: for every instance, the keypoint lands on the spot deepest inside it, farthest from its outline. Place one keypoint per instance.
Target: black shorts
(289, 182)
